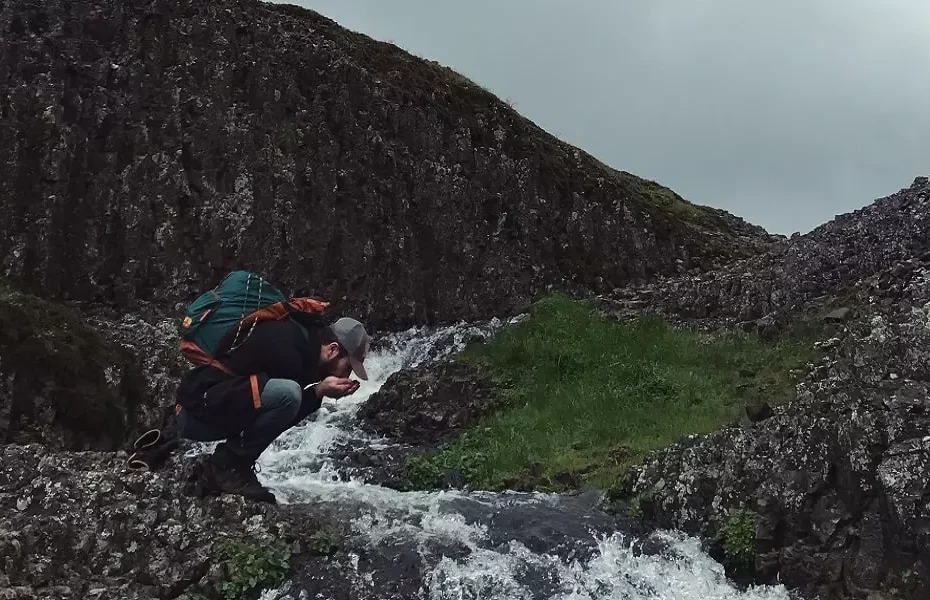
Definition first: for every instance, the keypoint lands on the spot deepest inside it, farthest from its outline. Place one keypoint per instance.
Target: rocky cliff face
(151, 146)
(836, 481)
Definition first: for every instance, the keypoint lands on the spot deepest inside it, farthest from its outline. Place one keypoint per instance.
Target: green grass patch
(585, 397)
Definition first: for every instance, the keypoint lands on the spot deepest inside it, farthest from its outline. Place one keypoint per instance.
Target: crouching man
(264, 386)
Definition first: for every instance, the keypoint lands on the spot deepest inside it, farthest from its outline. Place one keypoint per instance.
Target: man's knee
(282, 394)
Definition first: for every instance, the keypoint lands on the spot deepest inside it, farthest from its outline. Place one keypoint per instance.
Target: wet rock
(428, 404)
(383, 464)
(151, 147)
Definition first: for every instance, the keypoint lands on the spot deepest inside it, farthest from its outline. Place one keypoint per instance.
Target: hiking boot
(227, 474)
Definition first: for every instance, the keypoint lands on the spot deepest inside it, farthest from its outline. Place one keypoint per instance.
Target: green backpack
(239, 302)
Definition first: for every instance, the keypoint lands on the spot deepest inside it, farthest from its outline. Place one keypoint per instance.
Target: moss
(324, 542)
(50, 348)
(248, 565)
(636, 507)
(738, 536)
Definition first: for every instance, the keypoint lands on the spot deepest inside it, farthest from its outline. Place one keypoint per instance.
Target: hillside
(150, 147)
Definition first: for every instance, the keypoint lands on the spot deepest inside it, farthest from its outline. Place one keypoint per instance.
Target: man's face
(331, 363)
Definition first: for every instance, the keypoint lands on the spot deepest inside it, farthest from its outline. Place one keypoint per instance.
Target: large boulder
(429, 404)
(151, 146)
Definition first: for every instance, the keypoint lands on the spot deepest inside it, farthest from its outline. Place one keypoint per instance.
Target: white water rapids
(461, 556)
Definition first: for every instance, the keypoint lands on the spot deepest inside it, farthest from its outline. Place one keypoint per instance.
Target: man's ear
(330, 350)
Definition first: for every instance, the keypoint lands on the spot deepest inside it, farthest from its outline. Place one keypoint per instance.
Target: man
(262, 387)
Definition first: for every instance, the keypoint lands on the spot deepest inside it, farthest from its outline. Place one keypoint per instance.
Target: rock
(428, 404)
(758, 411)
(152, 340)
(830, 259)
(568, 480)
(839, 315)
(151, 147)
(382, 465)
(76, 525)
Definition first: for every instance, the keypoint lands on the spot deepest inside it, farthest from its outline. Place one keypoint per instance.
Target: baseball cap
(352, 336)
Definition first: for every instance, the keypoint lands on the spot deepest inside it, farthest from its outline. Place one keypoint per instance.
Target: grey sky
(785, 113)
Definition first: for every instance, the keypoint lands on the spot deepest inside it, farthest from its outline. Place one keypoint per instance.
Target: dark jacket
(273, 350)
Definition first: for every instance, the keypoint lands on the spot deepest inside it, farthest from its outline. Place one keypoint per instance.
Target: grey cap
(353, 337)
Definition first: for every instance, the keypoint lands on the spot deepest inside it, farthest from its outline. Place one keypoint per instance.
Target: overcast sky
(785, 113)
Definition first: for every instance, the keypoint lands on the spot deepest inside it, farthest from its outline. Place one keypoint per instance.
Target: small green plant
(738, 535)
(634, 508)
(252, 565)
(323, 542)
(426, 470)
(286, 136)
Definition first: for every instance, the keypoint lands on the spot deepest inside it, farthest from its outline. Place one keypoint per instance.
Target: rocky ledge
(75, 381)
(429, 404)
(79, 525)
(416, 410)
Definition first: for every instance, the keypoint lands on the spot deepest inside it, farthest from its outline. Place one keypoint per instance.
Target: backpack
(239, 302)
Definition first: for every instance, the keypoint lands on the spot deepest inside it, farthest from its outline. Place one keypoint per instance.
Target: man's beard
(327, 368)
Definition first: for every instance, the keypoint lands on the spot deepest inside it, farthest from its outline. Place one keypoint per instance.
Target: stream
(468, 545)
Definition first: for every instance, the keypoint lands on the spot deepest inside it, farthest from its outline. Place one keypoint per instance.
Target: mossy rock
(61, 382)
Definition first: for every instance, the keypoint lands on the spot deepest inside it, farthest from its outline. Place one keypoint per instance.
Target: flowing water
(462, 545)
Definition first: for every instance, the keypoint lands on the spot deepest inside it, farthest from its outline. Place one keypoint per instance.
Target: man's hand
(336, 387)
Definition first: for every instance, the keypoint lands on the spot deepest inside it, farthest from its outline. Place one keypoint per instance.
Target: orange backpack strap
(308, 305)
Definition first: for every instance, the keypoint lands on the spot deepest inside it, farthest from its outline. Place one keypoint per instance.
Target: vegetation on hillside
(49, 346)
(586, 396)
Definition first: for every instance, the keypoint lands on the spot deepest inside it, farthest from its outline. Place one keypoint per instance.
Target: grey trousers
(280, 402)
